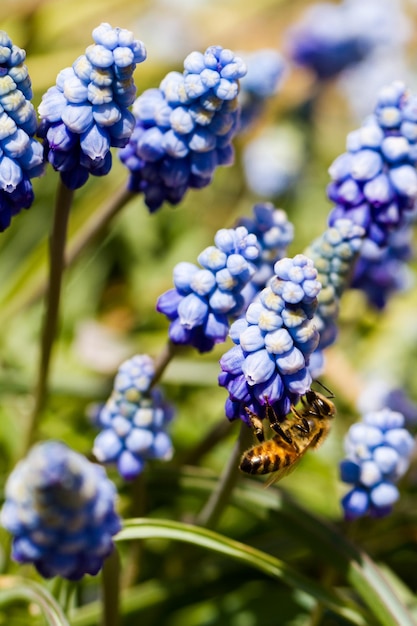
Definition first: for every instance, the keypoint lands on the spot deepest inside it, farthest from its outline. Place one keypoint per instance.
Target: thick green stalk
(50, 323)
(220, 496)
(111, 590)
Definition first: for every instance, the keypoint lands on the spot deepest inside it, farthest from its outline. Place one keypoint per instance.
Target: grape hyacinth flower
(382, 393)
(382, 272)
(86, 112)
(21, 155)
(133, 420)
(375, 181)
(273, 160)
(330, 38)
(334, 254)
(378, 451)
(266, 70)
(185, 127)
(274, 341)
(274, 233)
(59, 507)
(203, 299)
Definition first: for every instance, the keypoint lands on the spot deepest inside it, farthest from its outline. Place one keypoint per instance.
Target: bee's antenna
(331, 394)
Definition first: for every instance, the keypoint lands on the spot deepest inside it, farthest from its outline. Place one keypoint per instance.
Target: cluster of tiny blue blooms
(266, 69)
(382, 393)
(274, 341)
(329, 39)
(204, 298)
(382, 272)
(273, 160)
(375, 181)
(274, 233)
(378, 451)
(134, 420)
(21, 155)
(86, 112)
(185, 127)
(334, 254)
(60, 509)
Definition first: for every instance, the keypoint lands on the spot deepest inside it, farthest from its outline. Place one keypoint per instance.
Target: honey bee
(306, 428)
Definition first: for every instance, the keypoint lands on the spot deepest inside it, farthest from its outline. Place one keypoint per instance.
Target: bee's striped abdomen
(265, 459)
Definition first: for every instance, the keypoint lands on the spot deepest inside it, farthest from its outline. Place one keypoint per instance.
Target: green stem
(111, 590)
(56, 267)
(163, 360)
(220, 496)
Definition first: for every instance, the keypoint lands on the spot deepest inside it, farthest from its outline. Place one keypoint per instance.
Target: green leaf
(14, 588)
(166, 529)
(317, 535)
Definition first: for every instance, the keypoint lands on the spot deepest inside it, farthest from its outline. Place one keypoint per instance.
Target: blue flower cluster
(21, 156)
(385, 393)
(203, 300)
(59, 507)
(274, 233)
(330, 38)
(184, 129)
(382, 272)
(273, 343)
(334, 254)
(133, 420)
(266, 69)
(273, 160)
(375, 181)
(378, 451)
(86, 113)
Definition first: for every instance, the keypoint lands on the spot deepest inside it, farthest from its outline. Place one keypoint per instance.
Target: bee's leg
(257, 425)
(275, 424)
(303, 424)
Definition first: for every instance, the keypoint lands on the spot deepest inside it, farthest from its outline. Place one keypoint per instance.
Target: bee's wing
(284, 471)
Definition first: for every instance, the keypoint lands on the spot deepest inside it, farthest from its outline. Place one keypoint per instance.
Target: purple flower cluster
(133, 420)
(378, 451)
(86, 113)
(273, 343)
(203, 299)
(59, 507)
(375, 181)
(184, 129)
(334, 254)
(274, 233)
(382, 272)
(21, 156)
(330, 38)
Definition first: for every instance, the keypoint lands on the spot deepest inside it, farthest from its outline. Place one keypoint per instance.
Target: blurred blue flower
(266, 69)
(203, 299)
(334, 254)
(59, 507)
(329, 38)
(185, 127)
(375, 181)
(21, 156)
(378, 452)
(273, 160)
(86, 113)
(382, 393)
(274, 233)
(274, 341)
(134, 420)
